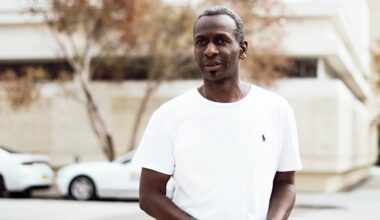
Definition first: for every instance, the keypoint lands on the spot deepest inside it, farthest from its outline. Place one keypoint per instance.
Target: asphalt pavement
(361, 203)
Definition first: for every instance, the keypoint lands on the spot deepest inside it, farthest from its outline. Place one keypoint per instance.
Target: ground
(360, 203)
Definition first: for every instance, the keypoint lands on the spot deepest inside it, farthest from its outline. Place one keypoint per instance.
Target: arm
(153, 198)
(283, 196)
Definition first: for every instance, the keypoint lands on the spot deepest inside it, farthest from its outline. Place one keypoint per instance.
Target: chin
(213, 75)
(216, 79)
(218, 76)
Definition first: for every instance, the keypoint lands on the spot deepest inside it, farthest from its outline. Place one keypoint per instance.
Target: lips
(212, 66)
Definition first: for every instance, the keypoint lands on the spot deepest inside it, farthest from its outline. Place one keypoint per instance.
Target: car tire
(26, 193)
(3, 189)
(82, 188)
(23, 194)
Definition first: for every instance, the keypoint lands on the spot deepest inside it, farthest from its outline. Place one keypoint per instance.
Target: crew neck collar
(209, 102)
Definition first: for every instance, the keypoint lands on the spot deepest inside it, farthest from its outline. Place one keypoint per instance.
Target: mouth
(212, 66)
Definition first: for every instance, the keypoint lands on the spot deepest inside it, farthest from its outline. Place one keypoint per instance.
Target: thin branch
(73, 44)
(73, 95)
(58, 39)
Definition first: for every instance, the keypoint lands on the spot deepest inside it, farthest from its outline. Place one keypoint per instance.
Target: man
(230, 147)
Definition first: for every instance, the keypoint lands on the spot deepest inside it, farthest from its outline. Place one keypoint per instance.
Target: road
(362, 203)
(54, 209)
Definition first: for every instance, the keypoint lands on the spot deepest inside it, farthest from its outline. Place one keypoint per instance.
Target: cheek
(235, 56)
(197, 55)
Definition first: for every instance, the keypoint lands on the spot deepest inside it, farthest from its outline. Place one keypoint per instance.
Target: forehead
(214, 24)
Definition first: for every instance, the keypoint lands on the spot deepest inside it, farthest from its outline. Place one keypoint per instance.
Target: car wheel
(3, 190)
(82, 188)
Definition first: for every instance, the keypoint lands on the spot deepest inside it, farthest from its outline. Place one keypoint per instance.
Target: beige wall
(374, 6)
(335, 143)
(28, 129)
(334, 133)
(58, 125)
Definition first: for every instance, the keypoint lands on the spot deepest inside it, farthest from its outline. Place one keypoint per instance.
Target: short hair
(222, 10)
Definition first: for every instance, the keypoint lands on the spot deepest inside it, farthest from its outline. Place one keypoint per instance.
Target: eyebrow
(217, 35)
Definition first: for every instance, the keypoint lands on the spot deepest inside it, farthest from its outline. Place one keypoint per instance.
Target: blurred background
(79, 79)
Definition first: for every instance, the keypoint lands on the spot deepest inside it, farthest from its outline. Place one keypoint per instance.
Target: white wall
(325, 29)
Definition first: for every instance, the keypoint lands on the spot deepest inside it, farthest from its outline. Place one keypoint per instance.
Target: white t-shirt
(222, 156)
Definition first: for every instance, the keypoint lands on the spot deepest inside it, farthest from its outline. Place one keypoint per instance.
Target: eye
(200, 42)
(220, 41)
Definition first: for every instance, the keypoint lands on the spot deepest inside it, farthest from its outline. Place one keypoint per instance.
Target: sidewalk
(362, 203)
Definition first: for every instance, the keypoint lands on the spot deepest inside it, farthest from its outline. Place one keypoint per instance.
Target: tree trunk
(97, 121)
(140, 113)
(152, 86)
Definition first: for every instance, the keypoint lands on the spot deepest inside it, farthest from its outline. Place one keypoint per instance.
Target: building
(336, 109)
(337, 133)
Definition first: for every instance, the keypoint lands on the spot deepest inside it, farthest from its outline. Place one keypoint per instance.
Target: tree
(168, 47)
(86, 30)
(19, 87)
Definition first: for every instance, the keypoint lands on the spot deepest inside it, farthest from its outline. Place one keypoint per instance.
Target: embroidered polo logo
(263, 137)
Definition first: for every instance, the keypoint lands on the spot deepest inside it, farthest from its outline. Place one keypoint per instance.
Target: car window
(126, 158)
(126, 161)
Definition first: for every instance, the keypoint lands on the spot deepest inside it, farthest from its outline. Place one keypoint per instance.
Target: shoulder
(175, 105)
(269, 98)
(275, 105)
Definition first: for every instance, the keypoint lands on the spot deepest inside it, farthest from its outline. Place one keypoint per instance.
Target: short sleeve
(289, 154)
(155, 150)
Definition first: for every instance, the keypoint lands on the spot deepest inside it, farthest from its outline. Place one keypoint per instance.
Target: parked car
(20, 173)
(99, 179)
(117, 179)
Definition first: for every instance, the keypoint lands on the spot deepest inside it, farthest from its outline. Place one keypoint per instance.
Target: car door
(120, 180)
(10, 171)
(132, 180)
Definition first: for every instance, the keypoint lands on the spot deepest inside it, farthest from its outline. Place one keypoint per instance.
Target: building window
(303, 68)
(46, 70)
(106, 70)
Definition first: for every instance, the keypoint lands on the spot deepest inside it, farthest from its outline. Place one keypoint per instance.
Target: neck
(223, 92)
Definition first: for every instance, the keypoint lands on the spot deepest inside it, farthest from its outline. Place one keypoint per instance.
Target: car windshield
(8, 150)
(126, 158)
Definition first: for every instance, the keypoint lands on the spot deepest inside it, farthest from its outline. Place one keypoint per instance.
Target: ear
(243, 49)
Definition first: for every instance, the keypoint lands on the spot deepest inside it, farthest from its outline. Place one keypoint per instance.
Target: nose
(211, 50)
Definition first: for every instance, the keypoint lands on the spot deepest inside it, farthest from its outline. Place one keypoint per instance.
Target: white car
(21, 173)
(100, 179)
